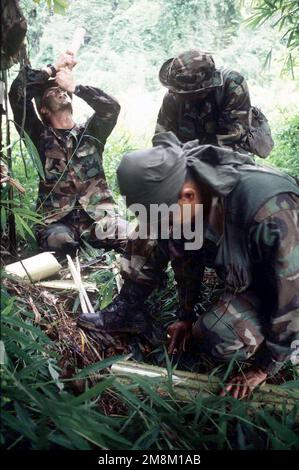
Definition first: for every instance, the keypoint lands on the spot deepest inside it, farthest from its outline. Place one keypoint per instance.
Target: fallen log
(188, 385)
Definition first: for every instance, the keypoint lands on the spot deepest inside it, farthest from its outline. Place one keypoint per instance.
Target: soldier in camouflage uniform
(251, 239)
(74, 197)
(204, 102)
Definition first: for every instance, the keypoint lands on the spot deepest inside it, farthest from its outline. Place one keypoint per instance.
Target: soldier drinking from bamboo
(74, 197)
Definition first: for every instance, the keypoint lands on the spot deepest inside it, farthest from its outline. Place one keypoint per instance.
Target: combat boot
(126, 314)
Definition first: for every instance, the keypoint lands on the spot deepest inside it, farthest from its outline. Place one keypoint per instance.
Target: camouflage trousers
(230, 328)
(144, 262)
(66, 235)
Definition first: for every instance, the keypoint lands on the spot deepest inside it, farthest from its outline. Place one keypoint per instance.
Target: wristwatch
(77, 89)
(53, 70)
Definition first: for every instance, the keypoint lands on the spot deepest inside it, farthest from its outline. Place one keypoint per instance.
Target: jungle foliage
(51, 393)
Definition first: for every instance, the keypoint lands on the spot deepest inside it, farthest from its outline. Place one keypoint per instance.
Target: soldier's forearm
(103, 104)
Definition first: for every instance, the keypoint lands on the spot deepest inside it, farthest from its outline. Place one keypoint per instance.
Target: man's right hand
(179, 333)
(65, 60)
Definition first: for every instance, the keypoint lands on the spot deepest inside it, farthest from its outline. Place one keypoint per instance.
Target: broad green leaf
(34, 155)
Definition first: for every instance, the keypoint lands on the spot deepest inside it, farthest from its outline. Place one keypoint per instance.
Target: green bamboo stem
(188, 385)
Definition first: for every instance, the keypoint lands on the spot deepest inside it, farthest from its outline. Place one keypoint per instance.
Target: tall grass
(41, 410)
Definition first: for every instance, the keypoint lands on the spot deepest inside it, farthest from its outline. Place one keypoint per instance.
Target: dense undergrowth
(52, 394)
(57, 391)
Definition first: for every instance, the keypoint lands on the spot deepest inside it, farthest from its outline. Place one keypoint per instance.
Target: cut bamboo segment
(77, 40)
(188, 385)
(38, 267)
(84, 299)
(62, 284)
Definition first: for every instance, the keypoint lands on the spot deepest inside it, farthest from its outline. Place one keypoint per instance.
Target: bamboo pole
(11, 218)
(188, 385)
(36, 267)
(84, 299)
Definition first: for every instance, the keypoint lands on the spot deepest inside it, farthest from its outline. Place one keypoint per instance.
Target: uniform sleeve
(277, 240)
(106, 108)
(168, 115)
(27, 85)
(233, 122)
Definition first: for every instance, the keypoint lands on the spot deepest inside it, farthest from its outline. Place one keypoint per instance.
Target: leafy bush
(285, 153)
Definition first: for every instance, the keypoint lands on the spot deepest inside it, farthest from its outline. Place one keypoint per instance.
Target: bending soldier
(210, 105)
(250, 237)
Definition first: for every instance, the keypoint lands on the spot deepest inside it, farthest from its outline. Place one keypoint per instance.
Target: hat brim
(164, 72)
(215, 81)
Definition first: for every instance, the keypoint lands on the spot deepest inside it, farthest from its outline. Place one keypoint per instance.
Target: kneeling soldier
(250, 237)
(74, 197)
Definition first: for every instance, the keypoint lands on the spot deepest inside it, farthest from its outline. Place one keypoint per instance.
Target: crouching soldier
(74, 197)
(250, 237)
(211, 104)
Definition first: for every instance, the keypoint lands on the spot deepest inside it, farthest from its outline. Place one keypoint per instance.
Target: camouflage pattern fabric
(208, 120)
(191, 72)
(73, 175)
(13, 32)
(274, 251)
(144, 262)
(72, 161)
(66, 235)
(232, 328)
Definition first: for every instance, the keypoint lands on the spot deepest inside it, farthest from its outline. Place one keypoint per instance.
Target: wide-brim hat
(190, 72)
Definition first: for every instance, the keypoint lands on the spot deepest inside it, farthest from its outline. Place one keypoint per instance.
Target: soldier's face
(189, 196)
(56, 99)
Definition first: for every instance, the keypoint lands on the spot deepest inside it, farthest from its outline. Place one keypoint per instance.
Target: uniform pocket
(87, 162)
(55, 164)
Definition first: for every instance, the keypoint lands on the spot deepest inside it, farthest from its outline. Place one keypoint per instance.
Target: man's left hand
(64, 79)
(242, 385)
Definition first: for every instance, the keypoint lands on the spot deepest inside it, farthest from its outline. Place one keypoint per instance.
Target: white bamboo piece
(38, 267)
(80, 287)
(115, 270)
(62, 284)
(81, 296)
(77, 41)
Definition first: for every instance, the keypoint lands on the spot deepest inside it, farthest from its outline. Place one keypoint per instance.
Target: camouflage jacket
(222, 118)
(273, 241)
(72, 161)
(251, 239)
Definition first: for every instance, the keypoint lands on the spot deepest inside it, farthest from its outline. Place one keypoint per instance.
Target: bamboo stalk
(84, 299)
(36, 267)
(81, 296)
(116, 272)
(62, 284)
(188, 385)
(77, 40)
(11, 218)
